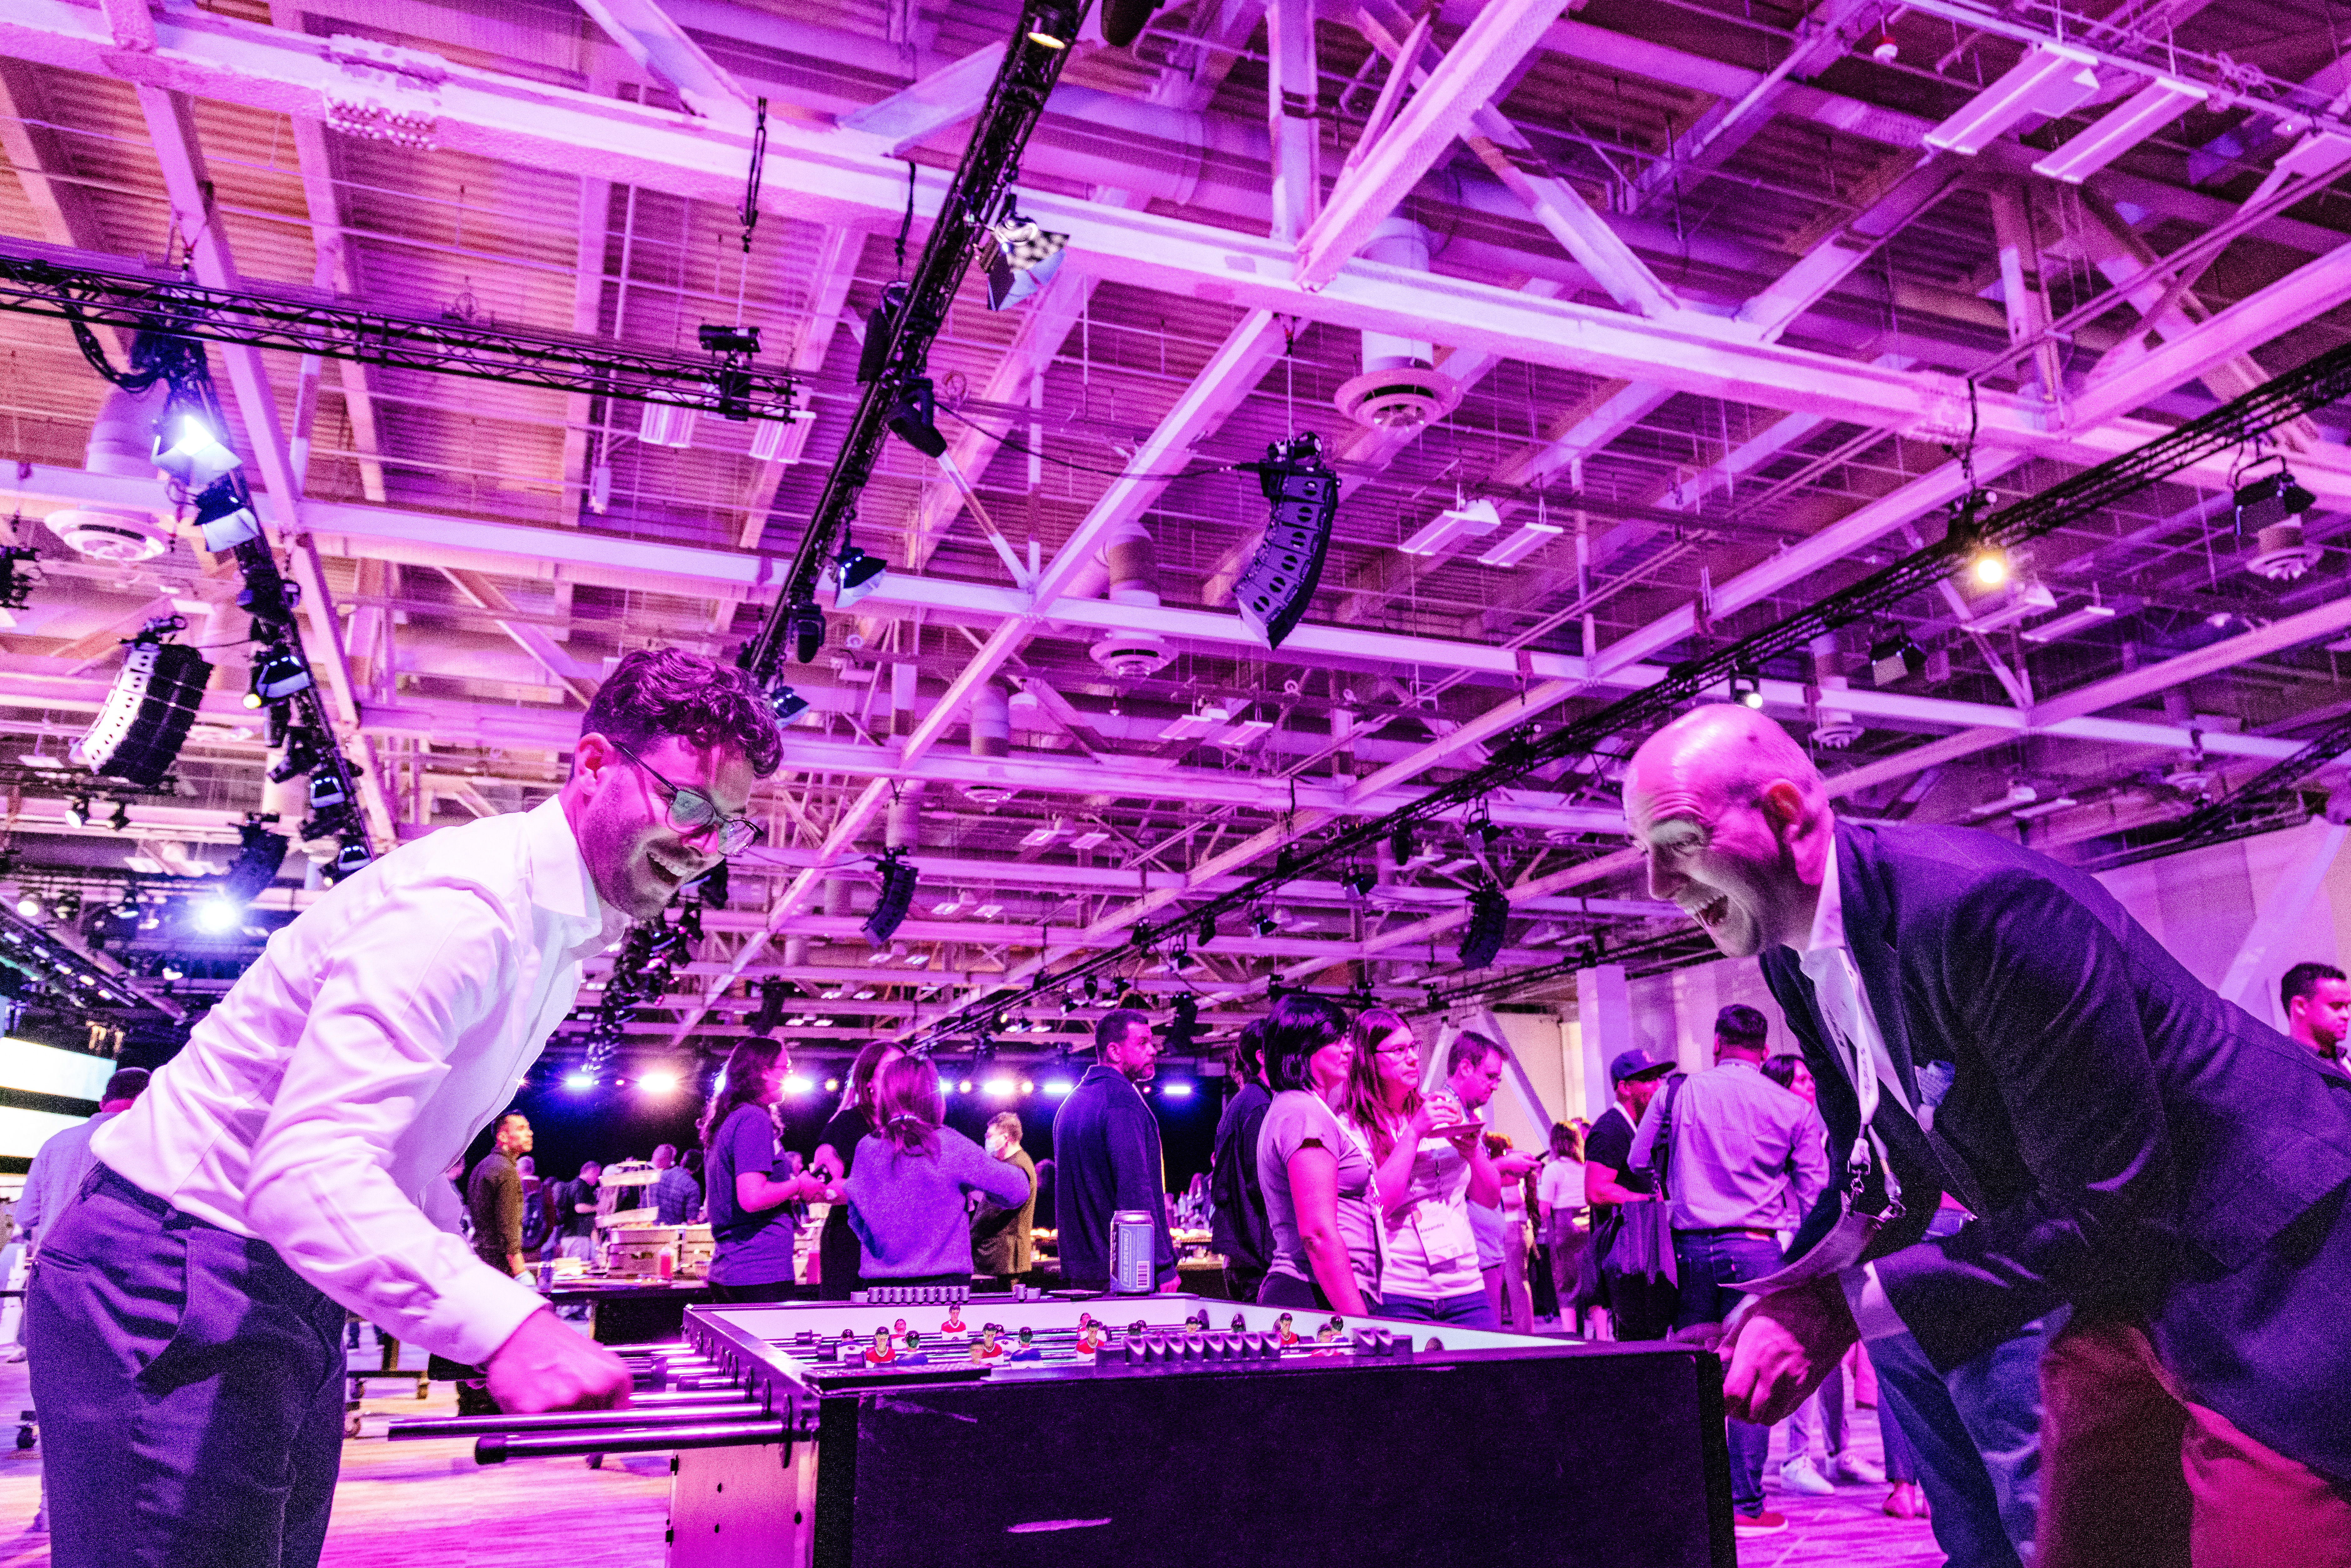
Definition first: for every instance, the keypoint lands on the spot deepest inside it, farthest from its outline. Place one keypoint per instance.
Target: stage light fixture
(770, 1016)
(1184, 1027)
(1053, 25)
(1124, 20)
(1024, 259)
(351, 856)
(1400, 845)
(278, 673)
(806, 626)
(660, 1082)
(788, 705)
(1746, 689)
(119, 817)
(1359, 882)
(1489, 923)
(29, 904)
(578, 1081)
(77, 811)
(1894, 658)
(1267, 926)
(259, 854)
(140, 731)
(856, 574)
(914, 418)
(327, 791)
(16, 591)
(873, 355)
(194, 454)
(1276, 587)
(304, 751)
(890, 905)
(1989, 566)
(218, 917)
(225, 517)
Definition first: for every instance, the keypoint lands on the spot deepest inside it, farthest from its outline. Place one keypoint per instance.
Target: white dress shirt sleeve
(401, 989)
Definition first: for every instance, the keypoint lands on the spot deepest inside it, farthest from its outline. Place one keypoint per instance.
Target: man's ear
(593, 754)
(1783, 802)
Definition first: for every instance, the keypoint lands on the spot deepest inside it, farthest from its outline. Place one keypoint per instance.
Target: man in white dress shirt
(187, 1356)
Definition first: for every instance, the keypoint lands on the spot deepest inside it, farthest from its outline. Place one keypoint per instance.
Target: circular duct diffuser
(2279, 553)
(1836, 731)
(1400, 399)
(1131, 655)
(111, 533)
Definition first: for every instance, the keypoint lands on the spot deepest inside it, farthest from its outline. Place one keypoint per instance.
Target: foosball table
(922, 1426)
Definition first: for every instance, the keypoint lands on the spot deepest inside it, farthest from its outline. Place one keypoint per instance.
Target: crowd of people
(2083, 1223)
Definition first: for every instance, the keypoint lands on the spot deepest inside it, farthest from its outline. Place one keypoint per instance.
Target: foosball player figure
(1092, 1336)
(1326, 1334)
(1026, 1349)
(955, 1321)
(985, 1348)
(881, 1352)
(1281, 1326)
(914, 1356)
(1240, 1324)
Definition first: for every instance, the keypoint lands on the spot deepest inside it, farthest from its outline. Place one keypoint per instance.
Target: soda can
(1131, 1263)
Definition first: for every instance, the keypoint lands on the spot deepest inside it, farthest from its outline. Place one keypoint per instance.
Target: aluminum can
(1130, 1252)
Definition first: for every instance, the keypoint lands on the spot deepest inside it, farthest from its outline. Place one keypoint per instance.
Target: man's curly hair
(667, 691)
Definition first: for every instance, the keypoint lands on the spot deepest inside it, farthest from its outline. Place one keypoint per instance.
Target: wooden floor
(428, 1503)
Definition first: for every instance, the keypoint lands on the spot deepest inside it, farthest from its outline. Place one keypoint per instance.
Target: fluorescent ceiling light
(1531, 538)
(1037, 838)
(2050, 80)
(2025, 599)
(1196, 723)
(2154, 105)
(1087, 840)
(2065, 625)
(1477, 517)
(988, 911)
(1245, 734)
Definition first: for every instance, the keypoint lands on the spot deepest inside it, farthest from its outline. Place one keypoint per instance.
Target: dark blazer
(1106, 1158)
(2129, 1143)
(999, 1234)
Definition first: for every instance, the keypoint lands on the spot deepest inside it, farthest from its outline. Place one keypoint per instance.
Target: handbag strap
(1661, 1152)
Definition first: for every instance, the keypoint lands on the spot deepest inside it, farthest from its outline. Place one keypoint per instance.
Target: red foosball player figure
(1283, 1327)
(881, 1352)
(954, 1323)
(985, 1348)
(1091, 1337)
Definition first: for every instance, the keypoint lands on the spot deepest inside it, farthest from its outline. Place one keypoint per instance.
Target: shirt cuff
(477, 1313)
(1873, 1314)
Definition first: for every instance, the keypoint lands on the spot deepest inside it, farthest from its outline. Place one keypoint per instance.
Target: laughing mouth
(1711, 913)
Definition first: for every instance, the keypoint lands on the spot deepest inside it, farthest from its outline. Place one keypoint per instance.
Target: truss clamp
(383, 93)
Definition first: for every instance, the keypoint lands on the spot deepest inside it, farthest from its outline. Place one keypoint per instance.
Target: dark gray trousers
(190, 1388)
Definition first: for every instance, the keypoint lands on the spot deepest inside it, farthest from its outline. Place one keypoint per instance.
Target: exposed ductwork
(1131, 654)
(1837, 728)
(1400, 387)
(121, 444)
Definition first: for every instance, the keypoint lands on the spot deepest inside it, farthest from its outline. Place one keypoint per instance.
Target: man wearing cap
(1642, 1306)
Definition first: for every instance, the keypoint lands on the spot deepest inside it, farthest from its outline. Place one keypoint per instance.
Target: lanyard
(1866, 1144)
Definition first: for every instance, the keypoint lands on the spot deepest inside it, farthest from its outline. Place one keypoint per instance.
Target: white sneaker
(1850, 1468)
(1800, 1475)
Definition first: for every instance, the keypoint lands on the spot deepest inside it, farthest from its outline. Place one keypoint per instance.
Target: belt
(1748, 1230)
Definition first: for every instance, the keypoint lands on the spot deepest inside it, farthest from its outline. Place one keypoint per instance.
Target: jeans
(191, 1391)
(1969, 1517)
(1975, 1432)
(1712, 1264)
(1470, 1309)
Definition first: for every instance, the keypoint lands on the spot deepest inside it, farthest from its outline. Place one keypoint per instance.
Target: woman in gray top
(907, 1183)
(1314, 1169)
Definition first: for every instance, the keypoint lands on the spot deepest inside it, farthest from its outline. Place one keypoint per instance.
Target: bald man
(2130, 1145)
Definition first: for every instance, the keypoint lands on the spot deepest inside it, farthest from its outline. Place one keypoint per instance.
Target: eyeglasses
(692, 811)
(1409, 1048)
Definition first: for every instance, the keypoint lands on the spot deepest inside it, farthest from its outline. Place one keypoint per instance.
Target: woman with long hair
(1315, 1171)
(1238, 1224)
(1430, 1164)
(751, 1227)
(908, 1180)
(836, 1149)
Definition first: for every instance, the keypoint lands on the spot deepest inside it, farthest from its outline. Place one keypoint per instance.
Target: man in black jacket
(1981, 1020)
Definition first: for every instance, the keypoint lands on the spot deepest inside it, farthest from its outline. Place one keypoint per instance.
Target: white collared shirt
(1827, 962)
(318, 1106)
